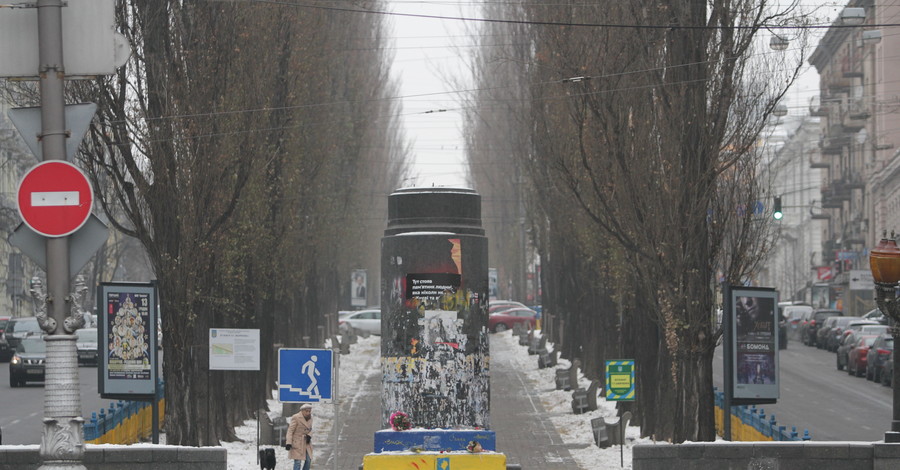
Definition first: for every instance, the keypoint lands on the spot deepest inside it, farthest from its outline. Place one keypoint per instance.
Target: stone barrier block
(387, 440)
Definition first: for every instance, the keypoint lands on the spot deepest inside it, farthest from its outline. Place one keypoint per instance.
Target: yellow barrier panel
(134, 428)
(739, 430)
(434, 460)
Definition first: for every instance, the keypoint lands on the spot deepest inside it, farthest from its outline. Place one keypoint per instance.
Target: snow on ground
(575, 430)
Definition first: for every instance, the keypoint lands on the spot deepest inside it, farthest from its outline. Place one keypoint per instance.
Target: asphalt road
(22, 408)
(831, 404)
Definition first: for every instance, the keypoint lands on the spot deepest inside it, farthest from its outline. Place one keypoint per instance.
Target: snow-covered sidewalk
(575, 430)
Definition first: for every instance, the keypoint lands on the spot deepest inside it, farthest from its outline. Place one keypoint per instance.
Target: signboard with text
(127, 332)
(754, 343)
(233, 349)
(620, 380)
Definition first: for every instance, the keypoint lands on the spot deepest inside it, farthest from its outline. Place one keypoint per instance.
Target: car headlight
(15, 360)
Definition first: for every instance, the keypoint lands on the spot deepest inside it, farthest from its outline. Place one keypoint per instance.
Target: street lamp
(884, 261)
(779, 43)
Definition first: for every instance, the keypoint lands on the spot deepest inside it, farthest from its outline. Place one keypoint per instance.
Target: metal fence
(751, 424)
(124, 422)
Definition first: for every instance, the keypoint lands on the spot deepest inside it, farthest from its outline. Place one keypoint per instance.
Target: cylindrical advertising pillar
(434, 297)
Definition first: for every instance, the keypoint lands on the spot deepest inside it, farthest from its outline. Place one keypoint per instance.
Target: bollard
(794, 433)
(806, 436)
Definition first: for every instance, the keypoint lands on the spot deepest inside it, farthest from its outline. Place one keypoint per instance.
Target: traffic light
(776, 209)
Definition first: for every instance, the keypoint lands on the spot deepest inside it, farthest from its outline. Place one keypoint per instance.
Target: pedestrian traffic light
(776, 209)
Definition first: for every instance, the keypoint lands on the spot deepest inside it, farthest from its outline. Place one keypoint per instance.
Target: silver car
(362, 322)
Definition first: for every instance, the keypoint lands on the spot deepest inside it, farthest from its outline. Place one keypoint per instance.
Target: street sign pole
(62, 438)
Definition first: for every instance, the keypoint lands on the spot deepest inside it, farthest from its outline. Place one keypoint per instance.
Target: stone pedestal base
(433, 440)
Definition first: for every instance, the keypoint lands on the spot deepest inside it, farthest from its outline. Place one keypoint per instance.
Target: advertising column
(435, 356)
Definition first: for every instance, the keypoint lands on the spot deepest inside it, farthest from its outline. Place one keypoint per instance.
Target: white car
(361, 322)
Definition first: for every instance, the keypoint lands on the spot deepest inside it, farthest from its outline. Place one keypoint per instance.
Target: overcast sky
(429, 62)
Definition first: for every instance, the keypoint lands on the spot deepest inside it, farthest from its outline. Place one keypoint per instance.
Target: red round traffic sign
(55, 198)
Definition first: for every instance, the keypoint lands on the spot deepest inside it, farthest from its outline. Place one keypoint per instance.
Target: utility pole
(62, 438)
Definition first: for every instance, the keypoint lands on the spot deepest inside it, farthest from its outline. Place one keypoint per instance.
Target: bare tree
(646, 118)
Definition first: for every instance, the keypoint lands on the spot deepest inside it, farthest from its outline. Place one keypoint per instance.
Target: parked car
(876, 315)
(794, 316)
(854, 325)
(782, 331)
(86, 345)
(823, 332)
(881, 350)
(22, 327)
(27, 364)
(843, 351)
(832, 336)
(361, 322)
(810, 329)
(6, 351)
(887, 372)
(506, 319)
(497, 305)
(859, 354)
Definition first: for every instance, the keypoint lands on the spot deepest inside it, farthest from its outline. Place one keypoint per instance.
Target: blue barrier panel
(756, 418)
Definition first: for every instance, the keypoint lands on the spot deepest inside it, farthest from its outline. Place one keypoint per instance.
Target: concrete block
(690, 451)
(23, 455)
(165, 454)
(787, 450)
(202, 454)
(128, 454)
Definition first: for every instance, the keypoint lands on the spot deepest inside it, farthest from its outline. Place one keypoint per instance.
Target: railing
(124, 422)
(751, 424)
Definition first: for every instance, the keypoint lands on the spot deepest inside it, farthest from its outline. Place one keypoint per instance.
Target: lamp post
(884, 261)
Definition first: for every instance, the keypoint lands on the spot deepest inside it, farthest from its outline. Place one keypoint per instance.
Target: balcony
(816, 161)
(854, 114)
(833, 145)
(851, 66)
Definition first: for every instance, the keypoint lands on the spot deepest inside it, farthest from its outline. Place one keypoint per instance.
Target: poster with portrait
(358, 288)
(754, 334)
(127, 333)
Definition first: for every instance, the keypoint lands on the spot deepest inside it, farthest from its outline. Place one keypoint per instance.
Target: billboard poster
(127, 339)
(493, 283)
(358, 287)
(754, 330)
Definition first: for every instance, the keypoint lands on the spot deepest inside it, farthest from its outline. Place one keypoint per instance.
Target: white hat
(306, 406)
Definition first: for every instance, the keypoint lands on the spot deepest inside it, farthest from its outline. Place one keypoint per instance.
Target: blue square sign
(305, 375)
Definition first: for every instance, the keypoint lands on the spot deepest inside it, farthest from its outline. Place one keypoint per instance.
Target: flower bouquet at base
(399, 421)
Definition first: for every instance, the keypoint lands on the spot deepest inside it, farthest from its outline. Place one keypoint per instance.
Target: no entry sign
(55, 198)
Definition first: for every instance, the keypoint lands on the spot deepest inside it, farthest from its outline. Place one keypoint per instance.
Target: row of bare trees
(245, 145)
(630, 133)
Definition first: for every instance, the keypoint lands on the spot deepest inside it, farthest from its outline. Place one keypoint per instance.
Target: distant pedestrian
(298, 441)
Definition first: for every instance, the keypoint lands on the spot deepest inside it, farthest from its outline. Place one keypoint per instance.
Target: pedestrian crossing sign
(620, 380)
(305, 375)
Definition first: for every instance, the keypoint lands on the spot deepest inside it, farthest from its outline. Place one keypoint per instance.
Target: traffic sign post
(54, 198)
(305, 375)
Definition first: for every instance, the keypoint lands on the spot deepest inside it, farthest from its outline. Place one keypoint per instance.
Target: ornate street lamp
(884, 261)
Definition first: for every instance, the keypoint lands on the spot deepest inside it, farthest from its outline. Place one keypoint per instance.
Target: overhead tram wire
(570, 24)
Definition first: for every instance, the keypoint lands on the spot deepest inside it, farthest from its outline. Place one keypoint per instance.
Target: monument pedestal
(435, 440)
